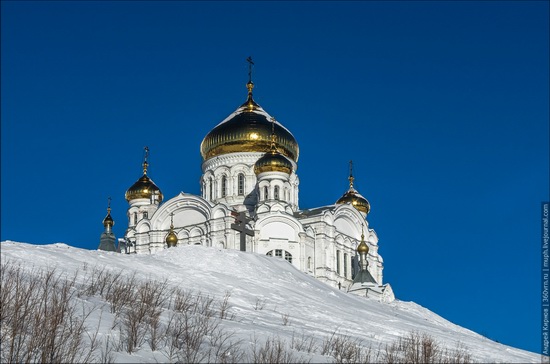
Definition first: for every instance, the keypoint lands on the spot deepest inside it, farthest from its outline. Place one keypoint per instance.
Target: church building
(249, 202)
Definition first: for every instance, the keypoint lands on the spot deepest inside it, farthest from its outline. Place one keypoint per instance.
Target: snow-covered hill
(267, 298)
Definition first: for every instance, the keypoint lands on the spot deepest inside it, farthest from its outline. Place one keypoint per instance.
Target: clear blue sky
(443, 106)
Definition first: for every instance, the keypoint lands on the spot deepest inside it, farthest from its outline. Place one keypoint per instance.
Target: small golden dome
(248, 129)
(171, 239)
(108, 220)
(143, 188)
(363, 247)
(356, 200)
(273, 162)
(352, 196)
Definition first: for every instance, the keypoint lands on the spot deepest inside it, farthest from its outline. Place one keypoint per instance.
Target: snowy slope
(309, 306)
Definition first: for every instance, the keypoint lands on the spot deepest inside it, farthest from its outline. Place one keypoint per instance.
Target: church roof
(314, 211)
(107, 242)
(364, 277)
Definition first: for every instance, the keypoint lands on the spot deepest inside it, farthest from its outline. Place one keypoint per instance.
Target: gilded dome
(171, 239)
(273, 161)
(143, 188)
(353, 197)
(248, 129)
(108, 220)
(356, 200)
(362, 247)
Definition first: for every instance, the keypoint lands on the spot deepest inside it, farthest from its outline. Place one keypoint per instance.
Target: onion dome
(353, 197)
(362, 247)
(144, 187)
(107, 239)
(248, 129)
(273, 161)
(171, 239)
(108, 220)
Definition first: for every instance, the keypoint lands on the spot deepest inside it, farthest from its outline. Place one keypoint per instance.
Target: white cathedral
(249, 202)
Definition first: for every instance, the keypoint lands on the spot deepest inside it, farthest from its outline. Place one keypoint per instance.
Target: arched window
(210, 186)
(224, 186)
(309, 263)
(279, 254)
(288, 257)
(345, 265)
(266, 193)
(240, 190)
(276, 193)
(135, 218)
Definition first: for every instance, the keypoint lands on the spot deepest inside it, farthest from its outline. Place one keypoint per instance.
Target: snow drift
(254, 304)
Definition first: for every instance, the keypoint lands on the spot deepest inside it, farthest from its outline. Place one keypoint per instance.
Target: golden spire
(250, 104)
(273, 136)
(250, 64)
(351, 179)
(145, 163)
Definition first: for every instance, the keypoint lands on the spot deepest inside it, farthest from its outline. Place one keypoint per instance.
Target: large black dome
(248, 129)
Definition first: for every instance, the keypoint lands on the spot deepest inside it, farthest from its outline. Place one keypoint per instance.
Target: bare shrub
(260, 304)
(106, 351)
(186, 336)
(121, 293)
(225, 306)
(303, 343)
(193, 333)
(99, 281)
(328, 343)
(346, 349)
(223, 348)
(38, 317)
(142, 316)
(286, 319)
(272, 351)
(183, 301)
(423, 348)
(458, 355)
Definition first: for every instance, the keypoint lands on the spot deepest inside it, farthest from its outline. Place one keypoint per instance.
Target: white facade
(320, 241)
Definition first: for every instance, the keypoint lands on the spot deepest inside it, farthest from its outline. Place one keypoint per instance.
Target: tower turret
(107, 240)
(232, 148)
(273, 172)
(143, 196)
